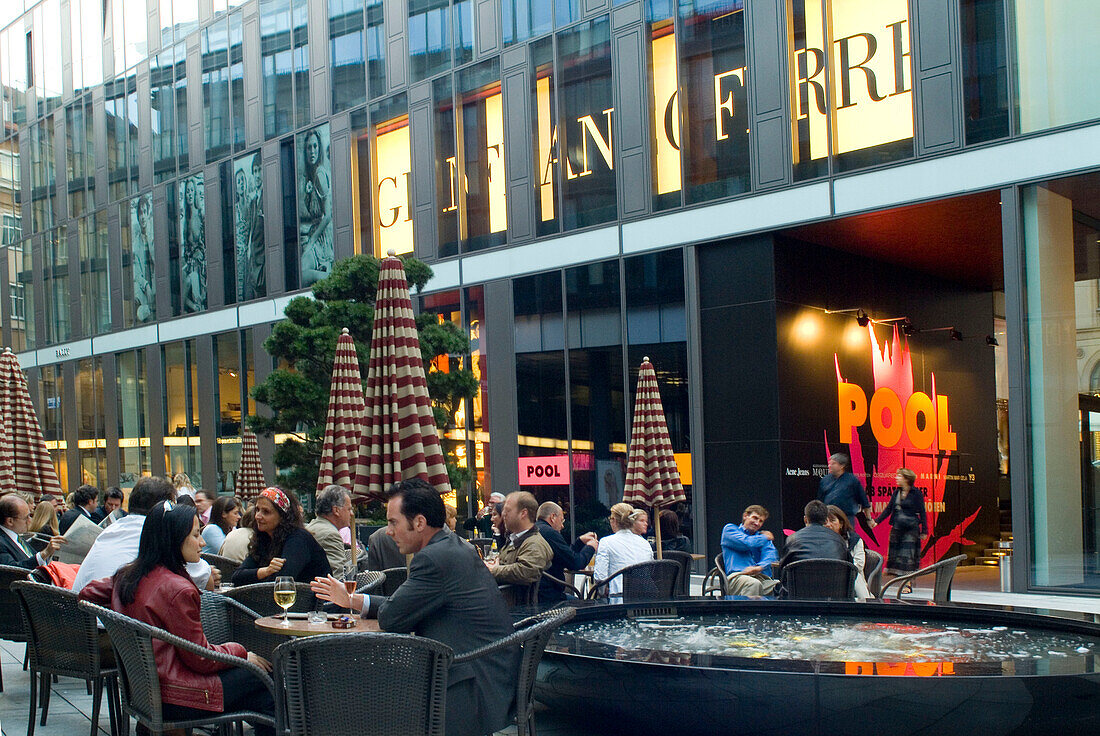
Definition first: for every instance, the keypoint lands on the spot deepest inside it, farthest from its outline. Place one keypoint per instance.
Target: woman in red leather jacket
(156, 589)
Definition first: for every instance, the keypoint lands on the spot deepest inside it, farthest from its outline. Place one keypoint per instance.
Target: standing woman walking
(908, 524)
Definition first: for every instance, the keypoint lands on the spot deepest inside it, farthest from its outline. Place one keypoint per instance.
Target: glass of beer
(284, 595)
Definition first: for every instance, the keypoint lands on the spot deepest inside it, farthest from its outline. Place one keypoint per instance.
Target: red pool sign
(544, 471)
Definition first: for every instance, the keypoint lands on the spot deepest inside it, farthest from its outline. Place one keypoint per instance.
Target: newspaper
(110, 518)
(80, 535)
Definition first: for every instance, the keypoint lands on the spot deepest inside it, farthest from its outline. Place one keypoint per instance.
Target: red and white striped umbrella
(250, 475)
(25, 448)
(7, 478)
(652, 478)
(399, 437)
(346, 417)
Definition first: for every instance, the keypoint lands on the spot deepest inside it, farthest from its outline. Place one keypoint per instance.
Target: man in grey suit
(450, 597)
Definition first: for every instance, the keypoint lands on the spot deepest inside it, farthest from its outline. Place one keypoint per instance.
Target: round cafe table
(303, 626)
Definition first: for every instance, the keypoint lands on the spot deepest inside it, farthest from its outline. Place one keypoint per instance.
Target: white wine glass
(285, 593)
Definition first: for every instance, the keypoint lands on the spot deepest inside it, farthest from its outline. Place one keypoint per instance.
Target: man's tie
(30, 553)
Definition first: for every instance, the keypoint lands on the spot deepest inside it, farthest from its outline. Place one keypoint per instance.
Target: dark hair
(669, 523)
(419, 498)
(186, 501)
(148, 492)
(263, 546)
(161, 539)
(209, 494)
(498, 508)
(222, 506)
(816, 513)
(845, 525)
(247, 517)
(84, 495)
(114, 492)
(9, 508)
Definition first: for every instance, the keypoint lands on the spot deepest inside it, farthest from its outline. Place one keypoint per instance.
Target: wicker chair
(819, 580)
(362, 684)
(369, 581)
(944, 570)
(394, 577)
(716, 584)
(567, 587)
(133, 644)
(224, 620)
(224, 565)
(683, 581)
(11, 617)
(531, 635)
(483, 545)
(520, 596)
(644, 581)
(872, 572)
(63, 640)
(260, 597)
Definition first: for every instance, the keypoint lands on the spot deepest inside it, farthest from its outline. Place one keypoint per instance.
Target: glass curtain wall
(284, 49)
(346, 29)
(53, 408)
(228, 386)
(55, 284)
(182, 442)
(133, 417)
(95, 292)
(216, 106)
(80, 156)
(91, 422)
(985, 69)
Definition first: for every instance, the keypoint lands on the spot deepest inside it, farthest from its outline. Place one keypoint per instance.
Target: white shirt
(15, 538)
(617, 551)
(117, 546)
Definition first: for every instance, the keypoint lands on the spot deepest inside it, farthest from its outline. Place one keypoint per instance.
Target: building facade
(867, 226)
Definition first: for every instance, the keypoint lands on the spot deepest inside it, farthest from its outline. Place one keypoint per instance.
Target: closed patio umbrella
(399, 437)
(30, 466)
(250, 475)
(7, 479)
(652, 478)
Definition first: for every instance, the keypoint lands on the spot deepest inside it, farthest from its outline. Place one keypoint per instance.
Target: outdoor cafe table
(304, 627)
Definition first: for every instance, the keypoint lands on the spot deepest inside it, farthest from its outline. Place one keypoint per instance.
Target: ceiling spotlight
(907, 327)
(956, 335)
(991, 341)
(861, 318)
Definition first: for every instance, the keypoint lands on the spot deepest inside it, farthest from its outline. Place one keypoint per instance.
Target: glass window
(43, 175)
(14, 78)
(11, 216)
(809, 89)
(524, 19)
(216, 110)
(181, 128)
(584, 132)
(133, 417)
(376, 49)
(162, 80)
(236, 79)
(80, 156)
(139, 286)
(118, 139)
(278, 65)
(86, 38)
(567, 11)
(464, 31)
(247, 353)
(248, 227)
(47, 41)
(665, 118)
(137, 23)
(182, 446)
(429, 38)
(301, 63)
(478, 406)
(172, 192)
(449, 194)
(53, 408)
(1056, 61)
(291, 262)
(95, 292)
(314, 184)
(21, 295)
(715, 103)
(346, 54)
(545, 114)
(228, 387)
(484, 209)
(185, 16)
(91, 436)
(392, 170)
(192, 239)
(985, 69)
(361, 184)
(55, 282)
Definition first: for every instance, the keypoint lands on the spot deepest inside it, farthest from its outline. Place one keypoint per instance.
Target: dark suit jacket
(814, 542)
(69, 517)
(382, 552)
(12, 554)
(451, 597)
(566, 557)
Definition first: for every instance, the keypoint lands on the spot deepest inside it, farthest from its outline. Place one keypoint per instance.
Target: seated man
(84, 501)
(815, 541)
(748, 554)
(551, 520)
(112, 501)
(382, 552)
(334, 512)
(526, 553)
(449, 597)
(15, 515)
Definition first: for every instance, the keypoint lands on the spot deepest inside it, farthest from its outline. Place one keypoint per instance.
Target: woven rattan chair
(362, 684)
(567, 587)
(819, 580)
(716, 584)
(531, 635)
(683, 580)
(369, 581)
(11, 616)
(260, 597)
(224, 565)
(133, 644)
(944, 570)
(483, 545)
(63, 640)
(872, 572)
(394, 577)
(644, 581)
(224, 620)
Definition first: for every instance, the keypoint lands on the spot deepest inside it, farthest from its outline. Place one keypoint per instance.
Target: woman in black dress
(908, 524)
(280, 545)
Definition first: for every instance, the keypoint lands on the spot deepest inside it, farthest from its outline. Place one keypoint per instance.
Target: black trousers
(241, 690)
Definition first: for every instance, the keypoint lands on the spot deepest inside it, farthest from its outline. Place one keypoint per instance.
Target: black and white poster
(314, 204)
(192, 217)
(248, 220)
(142, 259)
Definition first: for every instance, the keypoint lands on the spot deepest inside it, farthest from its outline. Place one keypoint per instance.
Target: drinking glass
(284, 595)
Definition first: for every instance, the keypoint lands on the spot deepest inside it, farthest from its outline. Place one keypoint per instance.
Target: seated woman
(224, 515)
(156, 589)
(838, 522)
(43, 524)
(620, 549)
(671, 538)
(280, 545)
(235, 546)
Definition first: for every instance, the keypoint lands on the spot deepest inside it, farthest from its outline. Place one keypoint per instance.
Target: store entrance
(1090, 481)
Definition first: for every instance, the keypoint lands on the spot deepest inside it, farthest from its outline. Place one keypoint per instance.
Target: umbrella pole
(657, 523)
(354, 543)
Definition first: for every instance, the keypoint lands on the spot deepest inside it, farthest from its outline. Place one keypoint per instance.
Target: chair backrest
(137, 669)
(820, 579)
(351, 684)
(516, 596)
(483, 544)
(872, 572)
(945, 575)
(260, 597)
(11, 616)
(224, 620)
(369, 580)
(224, 565)
(683, 580)
(533, 634)
(62, 639)
(646, 581)
(394, 577)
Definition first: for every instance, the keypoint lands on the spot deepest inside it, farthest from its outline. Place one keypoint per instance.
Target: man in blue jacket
(551, 520)
(748, 554)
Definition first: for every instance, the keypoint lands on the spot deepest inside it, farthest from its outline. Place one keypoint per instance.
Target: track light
(956, 335)
(908, 327)
(991, 341)
(861, 318)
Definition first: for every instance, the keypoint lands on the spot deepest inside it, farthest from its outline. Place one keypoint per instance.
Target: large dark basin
(683, 683)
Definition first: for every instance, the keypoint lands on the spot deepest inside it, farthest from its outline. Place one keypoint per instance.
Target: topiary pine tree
(304, 347)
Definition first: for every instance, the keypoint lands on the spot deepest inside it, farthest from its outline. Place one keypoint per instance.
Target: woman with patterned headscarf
(280, 544)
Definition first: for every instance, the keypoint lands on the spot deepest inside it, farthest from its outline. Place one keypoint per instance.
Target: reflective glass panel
(392, 171)
(216, 108)
(346, 54)
(95, 292)
(481, 137)
(985, 69)
(429, 38)
(55, 283)
(544, 108)
(524, 19)
(133, 417)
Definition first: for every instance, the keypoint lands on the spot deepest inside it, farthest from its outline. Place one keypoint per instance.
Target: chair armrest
(598, 584)
(239, 606)
(562, 583)
(901, 580)
(507, 642)
(210, 654)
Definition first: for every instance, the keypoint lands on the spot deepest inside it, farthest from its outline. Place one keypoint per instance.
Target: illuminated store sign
(393, 227)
